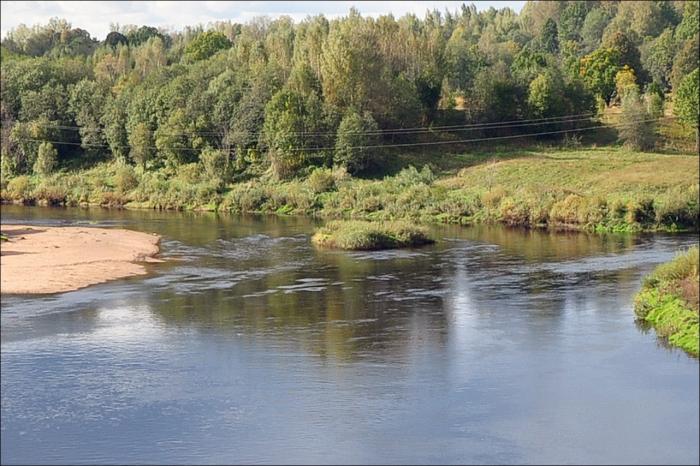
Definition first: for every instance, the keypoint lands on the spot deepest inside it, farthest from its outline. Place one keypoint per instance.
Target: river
(248, 345)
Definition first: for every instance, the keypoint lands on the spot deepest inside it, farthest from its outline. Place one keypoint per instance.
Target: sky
(95, 17)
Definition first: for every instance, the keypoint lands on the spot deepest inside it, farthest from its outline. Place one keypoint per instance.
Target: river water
(248, 345)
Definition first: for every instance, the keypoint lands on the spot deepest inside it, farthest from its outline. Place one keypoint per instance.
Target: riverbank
(592, 189)
(42, 260)
(669, 301)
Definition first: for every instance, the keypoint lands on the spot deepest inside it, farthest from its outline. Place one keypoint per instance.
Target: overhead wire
(415, 130)
(376, 146)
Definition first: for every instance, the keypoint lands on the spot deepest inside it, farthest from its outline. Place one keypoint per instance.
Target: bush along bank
(669, 301)
(593, 190)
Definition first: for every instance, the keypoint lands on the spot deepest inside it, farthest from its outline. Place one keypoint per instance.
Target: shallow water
(250, 346)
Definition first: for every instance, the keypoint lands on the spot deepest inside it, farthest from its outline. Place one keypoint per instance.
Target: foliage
(549, 37)
(625, 81)
(216, 164)
(669, 301)
(286, 96)
(636, 125)
(359, 235)
(205, 45)
(354, 134)
(599, 69)
(686, 100)
(292, 122)
(141, 144)
(46, 159)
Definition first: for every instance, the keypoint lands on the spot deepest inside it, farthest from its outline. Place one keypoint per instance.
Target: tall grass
(669, 301)
(361, 235)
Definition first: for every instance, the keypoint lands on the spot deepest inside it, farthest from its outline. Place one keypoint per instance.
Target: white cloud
(96, 16)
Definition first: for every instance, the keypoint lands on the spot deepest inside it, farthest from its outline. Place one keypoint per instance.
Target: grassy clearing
(669, 301)
(594, 189)
(360, 235)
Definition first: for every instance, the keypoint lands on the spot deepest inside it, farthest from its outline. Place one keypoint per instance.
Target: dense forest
(277, 96)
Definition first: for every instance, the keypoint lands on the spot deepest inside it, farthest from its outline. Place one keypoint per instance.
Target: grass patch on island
(669, 301)
(361, 235)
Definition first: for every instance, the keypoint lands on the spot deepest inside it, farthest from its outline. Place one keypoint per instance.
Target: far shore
(43, 260)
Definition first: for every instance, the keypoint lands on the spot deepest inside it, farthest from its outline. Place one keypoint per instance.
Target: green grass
(669, 301)
(592, 189)
(360, 235)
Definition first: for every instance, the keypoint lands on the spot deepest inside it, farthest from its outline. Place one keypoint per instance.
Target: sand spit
(41, 260)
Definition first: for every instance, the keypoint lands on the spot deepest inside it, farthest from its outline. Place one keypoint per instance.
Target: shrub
(655, 104)
(125, 178)
(216, 165)
(50, 192)
(354, 134)
(636, 130)
(47, 159)
(321, 180)
(411, 176)
(20, 188)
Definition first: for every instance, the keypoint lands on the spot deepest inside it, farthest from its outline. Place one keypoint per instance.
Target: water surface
(249, 345)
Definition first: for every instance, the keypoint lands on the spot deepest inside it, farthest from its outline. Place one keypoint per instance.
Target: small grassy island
(361, 235)
(669, 301)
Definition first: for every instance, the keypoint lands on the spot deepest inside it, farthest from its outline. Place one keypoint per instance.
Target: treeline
(241, 98)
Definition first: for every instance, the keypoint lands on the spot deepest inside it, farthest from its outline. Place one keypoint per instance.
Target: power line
(314, 149)
(415, 130)
(513, 136)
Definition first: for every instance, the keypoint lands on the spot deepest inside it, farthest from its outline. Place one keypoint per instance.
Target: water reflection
(248, 344)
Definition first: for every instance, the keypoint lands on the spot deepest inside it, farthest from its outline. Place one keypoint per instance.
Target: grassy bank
(669, 301)
(604, 189)
(361, 235)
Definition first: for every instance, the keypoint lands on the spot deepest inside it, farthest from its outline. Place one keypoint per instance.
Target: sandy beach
(41, 260)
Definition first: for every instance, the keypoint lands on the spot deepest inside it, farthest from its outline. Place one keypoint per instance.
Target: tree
(114, 38)
(141, 144)
(528, 64)
(545, 96)
(292, 124)
(628, 53)
(688, 28)
(463, 61)
(685, 61)
(636, 129)
(657, 57)
(150, 56)
(571, 21)
(549, 40)
(46, 160)
(114, 120)
(685, 104)
(593, 27)
(216, 164)
(205, 45)
(496, 96)
(351, 65)
(171, 139)
(354, 134)
(87, 102)
(598, 71)
(625, 81)
(143, 34)
(654, 103)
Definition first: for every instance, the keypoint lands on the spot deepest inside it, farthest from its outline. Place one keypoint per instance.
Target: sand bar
(40, 260)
